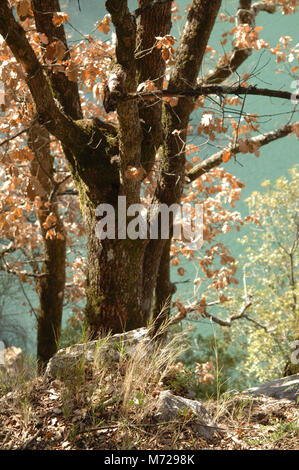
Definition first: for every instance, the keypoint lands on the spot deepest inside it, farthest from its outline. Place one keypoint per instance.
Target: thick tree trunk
(114, 282)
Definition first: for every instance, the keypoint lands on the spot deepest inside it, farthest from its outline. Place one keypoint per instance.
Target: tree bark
(51, 283)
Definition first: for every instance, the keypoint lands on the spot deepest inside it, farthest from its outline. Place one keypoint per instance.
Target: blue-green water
(274, 161)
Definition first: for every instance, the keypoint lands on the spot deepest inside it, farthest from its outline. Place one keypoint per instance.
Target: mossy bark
(114, 282)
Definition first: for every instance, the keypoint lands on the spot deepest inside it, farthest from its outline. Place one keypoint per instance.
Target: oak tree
(135, 142)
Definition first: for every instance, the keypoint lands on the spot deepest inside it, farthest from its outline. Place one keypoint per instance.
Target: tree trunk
(51, 278)
(114, 281)
(51, 295)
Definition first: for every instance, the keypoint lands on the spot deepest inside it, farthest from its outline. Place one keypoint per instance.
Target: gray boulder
(285, 388)
(171, 407)
(109, 348)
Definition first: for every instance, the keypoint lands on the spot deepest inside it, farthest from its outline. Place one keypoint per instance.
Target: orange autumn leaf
(165, 54)
(296, 129)
(43, 38)
(55, 50)
(222, 298)
(226, 156)
(50, 220)
(104, 25)
(50, 234)
(59, 18)
(175, 262)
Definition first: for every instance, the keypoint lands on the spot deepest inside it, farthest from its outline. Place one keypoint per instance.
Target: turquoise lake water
(274, 161)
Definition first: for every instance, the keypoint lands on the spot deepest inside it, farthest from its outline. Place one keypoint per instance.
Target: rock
(110, 348)
(13, 359)
(285, 388)
(171, 407)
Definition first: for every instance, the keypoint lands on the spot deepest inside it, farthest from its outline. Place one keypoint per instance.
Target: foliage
(110, 124)
(270, 263)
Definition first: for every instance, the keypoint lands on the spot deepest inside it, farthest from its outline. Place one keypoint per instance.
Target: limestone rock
(171, 407)
(109, 348)
(285, 388)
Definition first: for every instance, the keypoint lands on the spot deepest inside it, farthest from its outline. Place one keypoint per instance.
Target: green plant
(14, 381)
(223, 353)
(275, 432)
(270, 265)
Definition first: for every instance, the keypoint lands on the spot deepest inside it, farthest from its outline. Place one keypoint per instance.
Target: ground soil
(40, 418)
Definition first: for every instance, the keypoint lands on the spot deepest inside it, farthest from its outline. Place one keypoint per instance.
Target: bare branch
(229, 63)
(6, 249)
(217, 159)
(269, 7)
(202, 310)
(206, 90)
(14, 136)
(259, 325)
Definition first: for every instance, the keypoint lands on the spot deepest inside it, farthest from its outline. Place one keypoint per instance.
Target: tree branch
(5, 141)
(130, 133)
(49, 112)
(66, 91)
(229, 63)
(217, 159)
(232, 318)
(191, 49)
(206, 90)
(202, 310)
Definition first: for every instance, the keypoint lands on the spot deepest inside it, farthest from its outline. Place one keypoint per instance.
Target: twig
(202, 309)
(217, 159)
(14, 136)
(206, 90)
